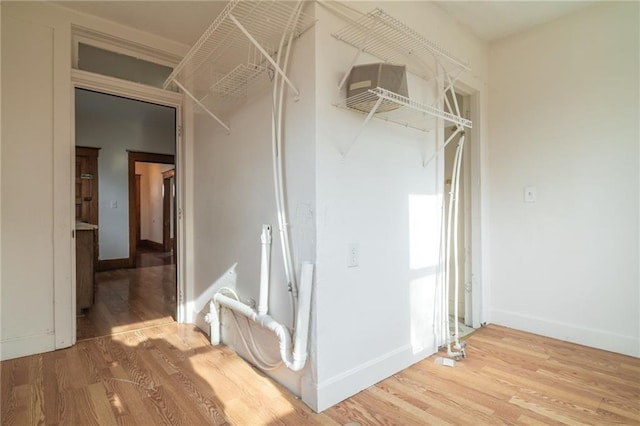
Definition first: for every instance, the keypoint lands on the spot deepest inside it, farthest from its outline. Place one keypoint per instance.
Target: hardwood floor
(509, 377)
(129, 299)
(169, 374)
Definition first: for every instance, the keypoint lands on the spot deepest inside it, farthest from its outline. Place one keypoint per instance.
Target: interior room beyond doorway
(135, 268)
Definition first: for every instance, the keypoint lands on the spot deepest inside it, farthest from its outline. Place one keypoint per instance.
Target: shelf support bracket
(453, 95)
(264, 53)
(449, 86)
(363, 125)
(201, 105)
(435, 154)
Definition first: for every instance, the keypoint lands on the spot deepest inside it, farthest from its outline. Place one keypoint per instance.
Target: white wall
(37, 171)
(0, 178)
(564, 118)
(234, 196)
(119, 127)
(378, 318)
(27, 186)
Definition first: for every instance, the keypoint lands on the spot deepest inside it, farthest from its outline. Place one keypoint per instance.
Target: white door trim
(474, 202)
(131, 90)
(475, 193)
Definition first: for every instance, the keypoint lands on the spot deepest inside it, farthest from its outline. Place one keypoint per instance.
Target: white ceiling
(492, 20)
(184, 21)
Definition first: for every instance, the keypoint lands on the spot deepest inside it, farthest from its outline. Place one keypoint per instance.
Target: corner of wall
(601, 339)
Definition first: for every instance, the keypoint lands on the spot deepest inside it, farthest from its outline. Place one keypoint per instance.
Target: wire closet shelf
(390, 40)
(236, 48)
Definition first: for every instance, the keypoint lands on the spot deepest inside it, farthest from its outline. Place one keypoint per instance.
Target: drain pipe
(456, 272)
(452, 251)
(293, 358)
(265, 270)
(276, 141)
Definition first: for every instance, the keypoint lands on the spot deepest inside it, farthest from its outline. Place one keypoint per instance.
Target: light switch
(114, 204)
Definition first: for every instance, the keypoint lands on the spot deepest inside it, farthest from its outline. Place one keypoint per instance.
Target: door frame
(474, 214)
(133, 158)
(168, 214)
(183, 160)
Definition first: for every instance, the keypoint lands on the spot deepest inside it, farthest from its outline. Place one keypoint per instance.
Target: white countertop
(84, 226)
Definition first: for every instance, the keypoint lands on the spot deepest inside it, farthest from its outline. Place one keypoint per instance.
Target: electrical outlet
(530, 194)
(353, 257)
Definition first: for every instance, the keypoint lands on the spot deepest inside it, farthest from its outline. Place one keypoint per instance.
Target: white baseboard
(338, 388)
(601, 339)
(28, 345)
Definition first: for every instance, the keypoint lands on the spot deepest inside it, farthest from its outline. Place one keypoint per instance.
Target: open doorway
(465, 289)
(128, 293)
(151, 195)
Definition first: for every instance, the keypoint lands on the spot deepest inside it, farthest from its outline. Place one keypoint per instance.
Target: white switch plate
(114, 204)
(530, 194)
(353, 255)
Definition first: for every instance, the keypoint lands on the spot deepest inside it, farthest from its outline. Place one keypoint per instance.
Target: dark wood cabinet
(86, 250)
(87, 184)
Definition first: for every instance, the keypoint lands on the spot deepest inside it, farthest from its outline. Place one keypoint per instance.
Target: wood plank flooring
(509, 377)
(169, 374)
(130, 299)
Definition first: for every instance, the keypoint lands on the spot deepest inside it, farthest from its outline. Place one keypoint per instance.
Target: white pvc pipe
(265, 270)
(280, 195)
(288, 255)
(447, 269)
(452, 250)
(293, 358)
(213, 318)
(304, 314)
(456, 281)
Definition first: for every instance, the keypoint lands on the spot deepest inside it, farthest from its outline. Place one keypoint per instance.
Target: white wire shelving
(387, 38)
(390, 106)
(390, 40)
(239, 45)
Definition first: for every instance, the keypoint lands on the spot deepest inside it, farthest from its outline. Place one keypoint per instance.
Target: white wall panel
(564, 118)
(377, 318)
(27, 186)
(37, 168)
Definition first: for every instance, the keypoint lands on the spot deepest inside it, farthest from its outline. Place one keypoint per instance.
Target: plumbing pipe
(265, 269)
(213, 318)
(280, 194)
(447, 269)
(283, 197)
(259, 359)
(303, 315)
(293, 358)
(452, 246)
(456, 281)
